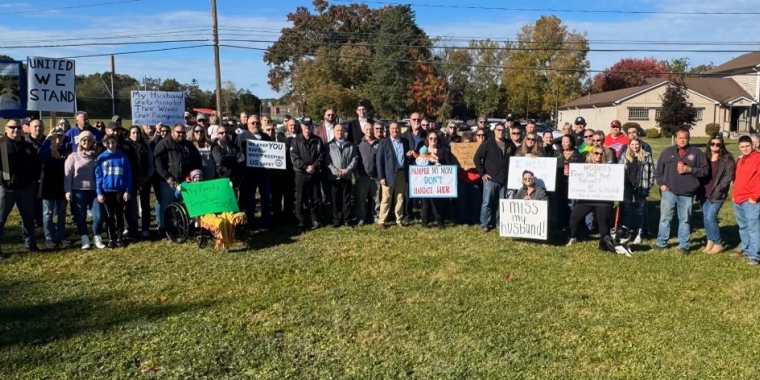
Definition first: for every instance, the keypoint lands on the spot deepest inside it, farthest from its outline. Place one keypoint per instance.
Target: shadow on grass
(35, 323)
(265, 238)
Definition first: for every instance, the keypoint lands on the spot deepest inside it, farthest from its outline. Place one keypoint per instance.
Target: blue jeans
(470, 197)
(167, 197)
(671, 204)
(489, 209)
(710, 216)
(748, 219)
(81, 201)
(54, 208)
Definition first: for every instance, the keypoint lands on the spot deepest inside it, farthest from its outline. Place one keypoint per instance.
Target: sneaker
(120, 244)
(485, 229)
(49, 244)
(571, 242)
(683, 251)
(637, 240)
(98, 241)
(85, 242)
(753, 262)
(360, 223)
(111, 244)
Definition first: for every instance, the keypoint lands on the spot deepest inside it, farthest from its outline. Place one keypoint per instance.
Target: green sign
(208, 197)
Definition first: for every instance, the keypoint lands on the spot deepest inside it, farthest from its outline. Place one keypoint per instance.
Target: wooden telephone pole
(215, 31)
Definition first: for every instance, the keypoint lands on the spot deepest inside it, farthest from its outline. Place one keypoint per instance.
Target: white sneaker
(85, 242)
(637, 240)
(98, 241)
(571, 242)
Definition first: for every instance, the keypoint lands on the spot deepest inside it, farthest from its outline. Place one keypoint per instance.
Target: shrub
(666, 132)
(652, 133)
(712, 128)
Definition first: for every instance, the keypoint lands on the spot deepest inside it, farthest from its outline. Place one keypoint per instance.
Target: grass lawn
(365, 303)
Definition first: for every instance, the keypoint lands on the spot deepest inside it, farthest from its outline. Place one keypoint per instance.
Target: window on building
(638, 114)
(657, 114)
(700, 113)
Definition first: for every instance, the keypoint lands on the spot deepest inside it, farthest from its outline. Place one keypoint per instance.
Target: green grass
(364, 303)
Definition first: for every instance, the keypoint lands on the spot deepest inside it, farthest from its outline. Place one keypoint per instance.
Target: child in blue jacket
(113, 180)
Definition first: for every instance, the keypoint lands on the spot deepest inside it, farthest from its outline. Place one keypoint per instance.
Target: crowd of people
(355, 173)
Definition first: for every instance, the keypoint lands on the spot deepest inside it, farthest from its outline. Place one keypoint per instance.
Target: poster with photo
(12, 91)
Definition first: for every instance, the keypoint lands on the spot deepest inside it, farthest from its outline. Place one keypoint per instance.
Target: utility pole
(113, 96)
(215, 31)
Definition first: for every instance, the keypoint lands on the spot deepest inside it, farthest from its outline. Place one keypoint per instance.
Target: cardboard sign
(12, 91)
(604, 182)
(523, 219)
(544, 169)
(153, 107)
(433, 181)
(51, 85)
(208, 197)
(464, 153)
(265, 154)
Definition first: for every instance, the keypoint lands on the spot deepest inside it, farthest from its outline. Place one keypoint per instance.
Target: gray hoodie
(338, 157)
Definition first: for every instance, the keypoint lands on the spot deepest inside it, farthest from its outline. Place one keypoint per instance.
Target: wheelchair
(180, 227)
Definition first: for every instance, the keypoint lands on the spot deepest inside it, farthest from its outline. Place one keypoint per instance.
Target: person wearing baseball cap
(616, 140)
(579, 126)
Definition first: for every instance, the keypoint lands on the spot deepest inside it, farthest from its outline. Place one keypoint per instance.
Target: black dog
(617, 241)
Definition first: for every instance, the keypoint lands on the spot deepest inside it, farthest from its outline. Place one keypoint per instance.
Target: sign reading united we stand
(433, 181)
(51, 85)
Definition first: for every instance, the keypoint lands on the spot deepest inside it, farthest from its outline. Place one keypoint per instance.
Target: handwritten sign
(51, 84)
(523, 219)
(464, 153)
(12, 91)
(265, 154)
(604, 182)
(208, 197)
(544, 169)
(433, 181)
(153, 107)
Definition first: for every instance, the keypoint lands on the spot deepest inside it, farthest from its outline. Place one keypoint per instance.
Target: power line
(68, 7)
(101, 44)
(608, 11)
(138, 51)
(101, 37)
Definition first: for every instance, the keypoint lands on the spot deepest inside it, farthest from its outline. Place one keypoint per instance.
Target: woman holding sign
(602, 209)
(432, 154)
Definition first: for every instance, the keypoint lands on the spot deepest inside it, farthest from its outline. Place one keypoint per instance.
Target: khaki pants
(389, 194)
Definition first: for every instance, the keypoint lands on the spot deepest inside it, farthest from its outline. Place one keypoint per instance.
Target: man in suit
(392, 162)
(356, 126)
(416, 136)
(325, 130)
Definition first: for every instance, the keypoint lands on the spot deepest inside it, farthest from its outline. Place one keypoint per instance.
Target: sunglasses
(180, 132)
(597, 154)
(480, 135)
(530, 139)
(716, 144)
(515, 133)
(481, 121)
(595, 140)
(424, 125)
(378, 129)
(615, 126)
(13, 127)
(198, 131)
(588, 137)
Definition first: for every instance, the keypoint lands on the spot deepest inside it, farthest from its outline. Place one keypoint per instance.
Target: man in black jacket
(492, 163)
(356, 126)
(283, 181)
(24, 167)
(306, 153)
(228, 158)
(416, 136)
(255, 178)
(174, 158)
(367, 184)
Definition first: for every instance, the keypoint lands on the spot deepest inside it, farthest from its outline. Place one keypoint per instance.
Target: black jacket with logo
(307, 152)
(24, 164)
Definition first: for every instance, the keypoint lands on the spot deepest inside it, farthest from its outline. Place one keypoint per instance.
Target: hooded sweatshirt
(112, 173)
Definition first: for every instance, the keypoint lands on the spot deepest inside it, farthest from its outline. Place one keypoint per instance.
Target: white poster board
(50, 85)
(523, 219)
(544, 169)
(433, 181)
(153, 107)
(603, 182)
(265, 154)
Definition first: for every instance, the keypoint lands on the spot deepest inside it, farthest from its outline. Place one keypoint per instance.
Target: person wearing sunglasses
(24, 166)
(203, 144)
(602, 209)
(255, 180)
(679, 172)
(716, 185)
(530, 147)
(69, 142)
(616, 140)
(746, 200)
(492, 162)
(529, 191)
(416, 135)
(639, 178)
(227, 157)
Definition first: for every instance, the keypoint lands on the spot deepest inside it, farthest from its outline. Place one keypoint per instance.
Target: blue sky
(35, 23)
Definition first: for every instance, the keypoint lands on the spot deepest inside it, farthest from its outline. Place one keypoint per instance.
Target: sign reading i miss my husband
(51, 85)
(153, 107)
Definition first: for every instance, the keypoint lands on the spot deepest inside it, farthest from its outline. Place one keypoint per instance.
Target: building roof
(721, 90)
(741, 62)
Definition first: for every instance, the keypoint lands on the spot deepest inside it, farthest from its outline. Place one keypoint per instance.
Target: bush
(652, 133)
(712, 128)
(666, 132)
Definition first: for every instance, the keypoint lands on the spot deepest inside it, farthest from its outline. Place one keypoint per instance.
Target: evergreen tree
(676, 111)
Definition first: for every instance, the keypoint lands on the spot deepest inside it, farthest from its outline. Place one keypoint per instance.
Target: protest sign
(265, 154)
(544, 170)
(12, 91)
(51, 84)
(208, 197)
(153, 107)
(604, 182)
(433, 181)
(463, 153)
(523, 219)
